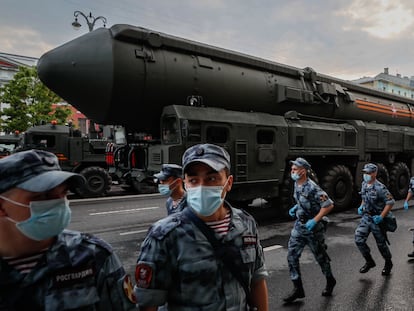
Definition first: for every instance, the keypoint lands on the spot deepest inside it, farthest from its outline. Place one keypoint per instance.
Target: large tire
(338, 184)
(98, 182)
(399, 180)
(382, 175)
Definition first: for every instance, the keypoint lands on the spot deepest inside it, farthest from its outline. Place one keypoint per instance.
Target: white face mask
(47, 218)
(205, 200)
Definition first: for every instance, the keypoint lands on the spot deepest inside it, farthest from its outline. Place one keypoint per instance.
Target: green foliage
(30, 102)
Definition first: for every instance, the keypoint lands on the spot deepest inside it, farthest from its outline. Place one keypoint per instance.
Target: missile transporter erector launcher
(264, 113)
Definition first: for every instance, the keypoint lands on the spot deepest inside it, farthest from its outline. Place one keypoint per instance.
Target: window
(265, 137)
(170, 133)
(217, 134)
(44, 141)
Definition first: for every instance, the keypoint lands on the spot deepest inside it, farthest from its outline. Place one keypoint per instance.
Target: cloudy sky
(344, 38)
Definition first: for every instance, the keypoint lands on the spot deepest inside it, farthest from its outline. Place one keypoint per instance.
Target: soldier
(409, 196)
(43, 266)
(312, 204)
(376, 203)
(207, 257)
(170, 182)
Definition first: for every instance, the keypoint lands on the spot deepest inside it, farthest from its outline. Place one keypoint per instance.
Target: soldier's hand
(292, 211)
(405, 205)
(377, 219)
(310, 224)
(361, 209)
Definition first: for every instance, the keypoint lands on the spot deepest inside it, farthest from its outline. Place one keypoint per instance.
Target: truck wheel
(98, 182)
(399, 180)
(338, 184)
(383, 176)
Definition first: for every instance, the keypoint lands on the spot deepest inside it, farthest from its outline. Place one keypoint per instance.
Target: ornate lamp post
(90, 20)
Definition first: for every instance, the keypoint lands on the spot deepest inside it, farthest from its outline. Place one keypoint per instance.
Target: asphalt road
(123, 222)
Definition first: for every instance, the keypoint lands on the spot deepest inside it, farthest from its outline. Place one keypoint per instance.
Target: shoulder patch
(129, 289)
(143, 275)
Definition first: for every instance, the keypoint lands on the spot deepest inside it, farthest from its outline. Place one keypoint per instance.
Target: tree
(30, 102)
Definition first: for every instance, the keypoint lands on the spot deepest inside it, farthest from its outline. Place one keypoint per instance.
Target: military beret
(35, 171)
(168, 170)
(214, 156)
(301, 162)
(370, 168)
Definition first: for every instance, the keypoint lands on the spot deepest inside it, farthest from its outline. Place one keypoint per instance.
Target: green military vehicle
(8, 143)
(82, 155)
(264, 113)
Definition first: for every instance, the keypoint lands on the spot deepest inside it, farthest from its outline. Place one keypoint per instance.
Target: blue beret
(35, 171)
(301, 162)
(168, 170)
(214, 156)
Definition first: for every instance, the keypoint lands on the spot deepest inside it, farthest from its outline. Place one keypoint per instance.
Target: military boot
(370, 263)
(296, 293)
(330, 284)
(387, 267)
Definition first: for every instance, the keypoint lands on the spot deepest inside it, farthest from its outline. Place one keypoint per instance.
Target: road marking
(271, 248)
(124, 211)
(133, 232)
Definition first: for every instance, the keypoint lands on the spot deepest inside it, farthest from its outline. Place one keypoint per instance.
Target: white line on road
(124, 211)
(133, 232)
(271, 248)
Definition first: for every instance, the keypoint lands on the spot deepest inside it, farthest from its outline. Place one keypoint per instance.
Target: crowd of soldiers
(205, 255)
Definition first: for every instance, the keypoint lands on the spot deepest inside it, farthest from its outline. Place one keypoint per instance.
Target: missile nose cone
(80, 72)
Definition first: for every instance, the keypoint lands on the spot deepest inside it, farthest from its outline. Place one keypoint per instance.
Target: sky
(347, 39)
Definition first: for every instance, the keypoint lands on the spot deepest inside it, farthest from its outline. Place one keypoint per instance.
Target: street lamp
(89, 19)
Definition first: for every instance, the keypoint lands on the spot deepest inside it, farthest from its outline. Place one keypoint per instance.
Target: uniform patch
(68, 277)
(249, 240)
(323, 197)
(143, 275)
(129, 289)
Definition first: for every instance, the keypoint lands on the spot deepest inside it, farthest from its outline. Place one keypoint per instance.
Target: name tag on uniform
(249, 240)
(69, 276)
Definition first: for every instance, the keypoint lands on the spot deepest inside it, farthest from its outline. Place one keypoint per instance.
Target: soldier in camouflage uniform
(178, 264)
(170, 182)
(43, 266)
(376, 203)
(409, 196)
(312, 204)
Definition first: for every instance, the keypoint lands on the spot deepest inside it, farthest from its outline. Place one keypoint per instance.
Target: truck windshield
(170, 131)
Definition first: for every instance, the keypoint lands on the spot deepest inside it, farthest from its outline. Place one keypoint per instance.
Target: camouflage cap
(301, 162)
(370, 168)
(214, 156)
(169, 170)
(35, 171)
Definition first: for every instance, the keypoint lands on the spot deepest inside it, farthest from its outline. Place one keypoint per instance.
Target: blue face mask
(164, 189)
(367, 177)
(295, 176)
(47, 218)
(205, 200)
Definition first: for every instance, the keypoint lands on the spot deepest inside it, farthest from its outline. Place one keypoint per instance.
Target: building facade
(395, 84)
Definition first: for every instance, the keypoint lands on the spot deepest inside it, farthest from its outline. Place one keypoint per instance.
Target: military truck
(8, 143)
(82, 155)
(264, 113)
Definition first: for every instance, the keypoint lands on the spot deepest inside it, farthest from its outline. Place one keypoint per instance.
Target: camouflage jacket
(78, 272)
(177, 265)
